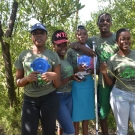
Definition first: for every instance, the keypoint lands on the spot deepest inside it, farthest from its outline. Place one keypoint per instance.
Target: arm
(22, 80)
(54, 76)
(57, 78)
(79, 68)
(66, 80)
(84, 49)
(108, 80)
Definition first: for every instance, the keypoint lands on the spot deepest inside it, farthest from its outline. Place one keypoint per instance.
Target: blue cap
(38, 26)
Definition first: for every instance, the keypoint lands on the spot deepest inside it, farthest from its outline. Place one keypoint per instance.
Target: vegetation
(15, 37)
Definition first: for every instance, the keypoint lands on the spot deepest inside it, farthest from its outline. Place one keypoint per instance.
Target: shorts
(104, 100)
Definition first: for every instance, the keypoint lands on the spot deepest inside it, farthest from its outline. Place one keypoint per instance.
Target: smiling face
(61, 49)
(124, 41)
(82, 36)
(104, 23)
(39, 37)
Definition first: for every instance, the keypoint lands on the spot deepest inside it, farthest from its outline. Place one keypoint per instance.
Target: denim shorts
(64, 113)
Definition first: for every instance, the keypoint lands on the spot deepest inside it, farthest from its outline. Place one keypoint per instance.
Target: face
(124, 40)
(104, 23)
(82, 36)
(39, 37)
(61, 49)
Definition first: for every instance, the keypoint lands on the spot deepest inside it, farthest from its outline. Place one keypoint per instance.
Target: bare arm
(57, 79)
(54, 76)
(66, 80)
(22, 80)
(84, 49)
(108, 80)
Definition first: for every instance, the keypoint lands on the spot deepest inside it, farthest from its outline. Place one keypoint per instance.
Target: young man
(105, 47)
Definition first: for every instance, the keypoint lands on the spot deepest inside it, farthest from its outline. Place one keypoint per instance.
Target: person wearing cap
(60, 45)
(40, 99)
(82, 92)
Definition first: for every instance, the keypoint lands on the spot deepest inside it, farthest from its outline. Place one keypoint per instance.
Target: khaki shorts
(104, 101)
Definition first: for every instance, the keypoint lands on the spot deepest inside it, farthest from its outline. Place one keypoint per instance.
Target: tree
(123, 15)
(6, 55)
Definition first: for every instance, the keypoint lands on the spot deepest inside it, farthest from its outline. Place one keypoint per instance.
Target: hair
(103, 14)
(54, 34)
(80, 27)
(119, 32)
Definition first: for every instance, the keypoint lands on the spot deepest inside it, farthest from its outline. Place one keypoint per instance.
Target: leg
(120, 105)
(104, 126)
(76, 126)
(48, 113)
(104, 107)
(30, 116)
(59, 131)
(85, 127)
(64, 113)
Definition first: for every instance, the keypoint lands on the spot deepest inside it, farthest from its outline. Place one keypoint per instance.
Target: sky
(90, 6)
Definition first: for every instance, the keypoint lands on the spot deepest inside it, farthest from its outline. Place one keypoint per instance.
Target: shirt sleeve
(57, 60)
(69, 57)
(89, 42)
(19, 62)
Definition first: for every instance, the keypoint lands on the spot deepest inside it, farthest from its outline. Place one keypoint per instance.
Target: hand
(33, 76)
(48, 76)
(103, 68)
(81, 67)
(74, 77)
(88, 51)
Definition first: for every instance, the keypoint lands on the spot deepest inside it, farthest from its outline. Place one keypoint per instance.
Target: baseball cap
(38, 26)
(59, 37)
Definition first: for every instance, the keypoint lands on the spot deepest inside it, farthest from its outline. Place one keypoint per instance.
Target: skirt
(83, 100)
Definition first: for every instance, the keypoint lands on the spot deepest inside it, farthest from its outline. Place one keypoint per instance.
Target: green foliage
(60, 14)
(123, 16)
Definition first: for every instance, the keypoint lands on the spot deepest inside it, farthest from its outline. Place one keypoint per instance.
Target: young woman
(121, 67)
(82, 92)
(60, 44)
(40, 99)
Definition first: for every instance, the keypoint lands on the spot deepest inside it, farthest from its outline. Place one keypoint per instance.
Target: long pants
(64, 113)
(123, 106)
(44, 108)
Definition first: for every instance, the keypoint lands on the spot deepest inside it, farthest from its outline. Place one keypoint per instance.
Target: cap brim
(38, 29)
(61, 41)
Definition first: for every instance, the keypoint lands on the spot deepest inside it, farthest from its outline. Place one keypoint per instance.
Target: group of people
(58, 93)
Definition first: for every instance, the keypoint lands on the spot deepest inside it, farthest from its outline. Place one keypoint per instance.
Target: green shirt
(66, 71)
(24, 62)
(105, 48)
(72, 55)
(124, 68)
